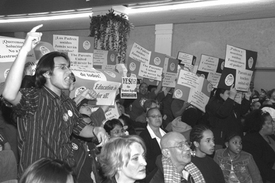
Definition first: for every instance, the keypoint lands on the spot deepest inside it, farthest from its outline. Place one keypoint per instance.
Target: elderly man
(175, 164)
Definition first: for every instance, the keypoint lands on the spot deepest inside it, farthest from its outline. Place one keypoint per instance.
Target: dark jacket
(225, 117)
(263, 155)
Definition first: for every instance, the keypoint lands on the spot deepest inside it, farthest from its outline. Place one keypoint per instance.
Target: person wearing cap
(47, 117)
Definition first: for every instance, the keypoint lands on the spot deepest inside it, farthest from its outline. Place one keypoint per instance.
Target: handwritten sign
(170, 72)
(238, 70)
(79, 49)
(211, 68)
(140, 54)
(193, 89)
(103, 59)
(187, 60)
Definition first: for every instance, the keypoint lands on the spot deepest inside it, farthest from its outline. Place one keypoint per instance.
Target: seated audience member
(47, 170)
(174, 165)
(270, 98)
(224, 114)
(203, 144)
(255, 105)
(150, 103)
(259, 143)
(179, 126)
(151, 137)
(122, 159)
(143, 94)
(8, 164)
(114, 128)
(237, 165)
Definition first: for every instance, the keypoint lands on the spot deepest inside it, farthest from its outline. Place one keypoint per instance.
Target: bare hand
(248, 94)
(33, 38)
(233, 92)
(101, 135)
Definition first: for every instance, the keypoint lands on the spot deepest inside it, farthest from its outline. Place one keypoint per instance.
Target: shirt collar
(152, 134)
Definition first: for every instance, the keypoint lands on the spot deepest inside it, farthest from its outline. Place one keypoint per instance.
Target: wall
(211, 39)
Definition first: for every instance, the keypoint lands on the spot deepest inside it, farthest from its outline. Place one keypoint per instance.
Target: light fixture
(46, 16)
(177, 5)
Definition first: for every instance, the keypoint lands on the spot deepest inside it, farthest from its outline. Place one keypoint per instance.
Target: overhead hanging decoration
(111, 32)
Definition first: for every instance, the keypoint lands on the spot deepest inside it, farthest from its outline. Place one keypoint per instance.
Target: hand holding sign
(233, 92)
(248, 94)
(32, 38)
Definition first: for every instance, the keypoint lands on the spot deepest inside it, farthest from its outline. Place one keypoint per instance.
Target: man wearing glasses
(175, 164)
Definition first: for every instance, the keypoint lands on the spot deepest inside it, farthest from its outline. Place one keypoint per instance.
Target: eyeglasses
(155, 116)
(63, 67)
(182, 146)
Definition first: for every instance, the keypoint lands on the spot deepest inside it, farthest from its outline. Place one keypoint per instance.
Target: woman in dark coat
(224, 114)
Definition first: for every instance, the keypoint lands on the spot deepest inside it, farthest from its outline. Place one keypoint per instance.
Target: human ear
(196, 144)
(46, 75)
(226, 144)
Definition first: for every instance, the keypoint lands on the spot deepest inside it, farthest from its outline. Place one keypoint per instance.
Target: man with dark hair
(46, 117)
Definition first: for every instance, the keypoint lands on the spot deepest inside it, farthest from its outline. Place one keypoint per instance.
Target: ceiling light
(46, 16)
(176, 5)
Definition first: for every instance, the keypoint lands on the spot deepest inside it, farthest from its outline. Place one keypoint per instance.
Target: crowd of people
(155, 139)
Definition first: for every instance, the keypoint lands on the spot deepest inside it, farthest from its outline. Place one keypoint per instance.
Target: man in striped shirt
(46, 117)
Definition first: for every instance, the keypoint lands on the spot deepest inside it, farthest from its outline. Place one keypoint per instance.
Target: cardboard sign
(128, 88)
(237, 58)
(88, 79)
(193, 89)
(170, 72)
(79, 49)
(211, 69)
(140, 69)
(187, 60)
(140, 54)
(240, 78)
(10, 48)
(104, 59)
(112, 113)
(238, 70)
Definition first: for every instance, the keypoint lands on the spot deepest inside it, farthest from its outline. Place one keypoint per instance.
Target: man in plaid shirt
(175, 164)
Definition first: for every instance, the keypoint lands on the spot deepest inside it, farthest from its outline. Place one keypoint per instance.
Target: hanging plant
(111, 32)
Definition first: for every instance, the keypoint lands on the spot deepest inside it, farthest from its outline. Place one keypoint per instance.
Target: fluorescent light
(47, 17)
(186, 5)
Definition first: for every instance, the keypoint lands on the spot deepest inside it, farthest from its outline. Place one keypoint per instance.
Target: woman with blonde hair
(123, 159)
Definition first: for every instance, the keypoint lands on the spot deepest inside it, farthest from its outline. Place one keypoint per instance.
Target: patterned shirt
(45, 124)
(172, 176)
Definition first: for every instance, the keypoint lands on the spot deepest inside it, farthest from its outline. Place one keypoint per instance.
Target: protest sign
(193, 89)
(211, 69)
(140, 54)
(79, 49)
(170, 72)
(128, 88)
(10, 48)
(145, 64)
(238, 70)
(187, 60)
(104, 59)
(104, 82)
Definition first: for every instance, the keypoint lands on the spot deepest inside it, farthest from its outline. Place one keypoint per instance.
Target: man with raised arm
(46, 117)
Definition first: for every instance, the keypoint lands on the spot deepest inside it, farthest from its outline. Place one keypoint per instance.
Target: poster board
(193, 89)
(238, 69)
(211, 69)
